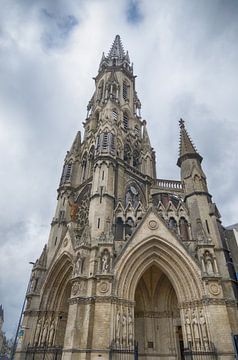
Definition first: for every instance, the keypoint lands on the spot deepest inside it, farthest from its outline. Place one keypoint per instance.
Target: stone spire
(186, 148)
(116, 50)
(116, 57)
(145, 138)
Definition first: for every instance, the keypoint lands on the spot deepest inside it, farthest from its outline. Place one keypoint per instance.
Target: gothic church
(135, 266)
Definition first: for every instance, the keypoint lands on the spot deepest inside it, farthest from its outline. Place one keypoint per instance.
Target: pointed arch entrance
(156, 316)
(53, 314)
(161, 287)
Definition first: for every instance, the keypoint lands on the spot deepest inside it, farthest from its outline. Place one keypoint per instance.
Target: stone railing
(168, 185)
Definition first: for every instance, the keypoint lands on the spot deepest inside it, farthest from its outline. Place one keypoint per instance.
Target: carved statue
(51, 333)
(130, 329)
(124, 330)
(208, 263)
(44, 333)
(73, 210)
(37, 333)
(105, 262)
(78, 266)
(34, 281)
(188, 328)
(195, 330)
(203, 327)
(118, 328)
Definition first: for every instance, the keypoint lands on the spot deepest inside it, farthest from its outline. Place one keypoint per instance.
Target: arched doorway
(157, 317)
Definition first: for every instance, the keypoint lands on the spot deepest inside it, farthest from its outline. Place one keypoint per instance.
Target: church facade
(135, 266)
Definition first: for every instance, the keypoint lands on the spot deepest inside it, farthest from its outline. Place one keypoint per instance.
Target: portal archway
(157, 318)
(52, 318)
(177, 285)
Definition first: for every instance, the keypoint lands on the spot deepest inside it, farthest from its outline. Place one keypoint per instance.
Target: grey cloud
(57, 28)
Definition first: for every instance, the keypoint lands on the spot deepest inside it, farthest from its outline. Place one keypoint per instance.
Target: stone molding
(101, 299)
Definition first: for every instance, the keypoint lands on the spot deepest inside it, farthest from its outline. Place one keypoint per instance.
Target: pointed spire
(116, 50)
(186, 147)
(76, 144)
(145, 136)
(116, 57)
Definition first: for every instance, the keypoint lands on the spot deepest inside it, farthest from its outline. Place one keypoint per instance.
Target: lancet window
(114, 115)
(119, 231)
(172, 223)
(183, 228)
(136, 158)
(84, 166)
(127, 153)
(125, 120)
(125, 90)
(66, 175)
(129, 227)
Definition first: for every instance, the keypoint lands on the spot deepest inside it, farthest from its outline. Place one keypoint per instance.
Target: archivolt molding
(56, 281)
(183, 273)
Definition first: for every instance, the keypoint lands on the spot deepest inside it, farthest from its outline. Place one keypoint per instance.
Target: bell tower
(130, 258)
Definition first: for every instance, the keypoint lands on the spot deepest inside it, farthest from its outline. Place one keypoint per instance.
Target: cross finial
(181, 123)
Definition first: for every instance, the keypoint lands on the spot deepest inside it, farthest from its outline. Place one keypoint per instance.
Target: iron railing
(43, 353)
(119, 353)
(209, 353)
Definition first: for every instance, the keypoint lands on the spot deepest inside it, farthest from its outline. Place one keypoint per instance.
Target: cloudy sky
(185, 55)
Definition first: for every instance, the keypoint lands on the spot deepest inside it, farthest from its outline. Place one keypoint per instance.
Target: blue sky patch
(57, 29)
(134, 14)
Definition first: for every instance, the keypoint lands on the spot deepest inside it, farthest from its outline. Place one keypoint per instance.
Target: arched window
(125, 120)
(125, 90)
(127, 153)
(119, 230)
(172, 223)
(105, 140)
(97, 118)
(183, 228)
(112, 143)
(129, 227)
(68, 172)
(114, 91)
(137, 130)
(136, 158)
(66, 175)
(114, 114)
(91, 159)
(84, 166)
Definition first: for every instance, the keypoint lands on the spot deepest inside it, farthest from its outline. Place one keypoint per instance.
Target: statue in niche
(78, 265)
(105, 261)
(203, 328)
(51, 333)
(132, 196)
(208, 263)
(74, 207)
(102, 237)
(34, 281)
(44, 333)
(195, 330)
(188, 328)
(118, 327)
(124, 330)
(37, 333)
(130, 329)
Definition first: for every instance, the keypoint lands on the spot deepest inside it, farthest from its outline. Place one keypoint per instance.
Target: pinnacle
(186, 146)
(116, 57)
(116, 50)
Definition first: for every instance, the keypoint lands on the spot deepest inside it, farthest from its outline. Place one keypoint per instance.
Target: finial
(181, 123)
